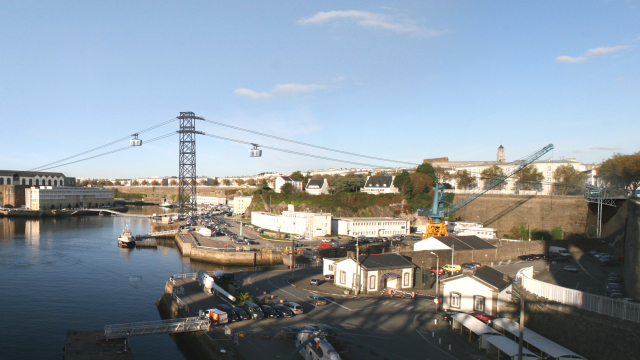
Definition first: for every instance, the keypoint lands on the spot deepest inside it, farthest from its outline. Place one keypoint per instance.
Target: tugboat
(126, 239)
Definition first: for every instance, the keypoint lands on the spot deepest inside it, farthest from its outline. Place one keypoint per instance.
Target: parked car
(242, 315)
(526, 257)
(482, 317)
(315, 281)
(543, 256)
(570, 269)
(593, 252)
(316, 300)
(328, 277)
(295, 307)
(452, 268)
(471, 265)
(283, 310)
(559, 259)
(269, 311)
(326, 240)
(231, 315)
(435, 271)
(253, 310)
(298, 237)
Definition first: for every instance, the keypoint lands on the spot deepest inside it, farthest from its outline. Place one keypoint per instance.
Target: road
(400, 327)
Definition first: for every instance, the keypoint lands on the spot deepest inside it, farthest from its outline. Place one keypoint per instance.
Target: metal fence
(250, 269)
(599, 304)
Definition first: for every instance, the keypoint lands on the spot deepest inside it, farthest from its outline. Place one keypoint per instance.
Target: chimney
(505, 277)
(351, 254)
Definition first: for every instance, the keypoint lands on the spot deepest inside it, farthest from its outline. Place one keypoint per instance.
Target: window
(372, 282)
(478, 303)
(406, 279)
(343, 277)
(330, 267)
(454, 300)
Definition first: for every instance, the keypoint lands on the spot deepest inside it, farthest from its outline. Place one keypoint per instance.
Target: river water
(69, 273)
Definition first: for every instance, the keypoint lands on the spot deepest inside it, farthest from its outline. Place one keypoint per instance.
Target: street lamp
(521, 329)
(357, 266)
(437, 279)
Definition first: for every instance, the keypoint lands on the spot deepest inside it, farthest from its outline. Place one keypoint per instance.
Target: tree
(93, 182)
(529, 178)
(155, 183)
(173, 183)
(240, 182)
(297, 174)
(264, 185)
(145, 183)
(287, 189)
(135, 183)
(491, 172)
(203, 182)
(621, 171)
(118, 183)
(226, 182)
(403, 183)
(108, 183)
(347, 184)
(421, 183)
(242, 297)
(84, 182)
(464, 180)
(251, 182)
(100, 182)
(442, 175)
(215, 182)
(427, 169)
(192, 182)
(568, 180)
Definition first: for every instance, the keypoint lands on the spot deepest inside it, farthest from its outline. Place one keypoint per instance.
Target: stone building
(51, 197)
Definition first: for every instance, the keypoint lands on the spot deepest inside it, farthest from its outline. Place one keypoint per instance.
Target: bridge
(159, 233)
(170, 326)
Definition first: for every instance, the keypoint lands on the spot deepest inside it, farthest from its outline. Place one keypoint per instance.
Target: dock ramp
(170, 326)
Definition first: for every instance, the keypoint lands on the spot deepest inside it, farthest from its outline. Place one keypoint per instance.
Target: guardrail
(248, 269)
(599, 304)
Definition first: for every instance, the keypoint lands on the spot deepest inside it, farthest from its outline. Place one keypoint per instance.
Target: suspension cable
(41, 168)
(305, 144)
(292, 152)
(113, 151)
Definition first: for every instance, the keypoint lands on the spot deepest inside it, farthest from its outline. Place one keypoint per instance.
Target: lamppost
(437, 280)
(521, 327)
(357, 266)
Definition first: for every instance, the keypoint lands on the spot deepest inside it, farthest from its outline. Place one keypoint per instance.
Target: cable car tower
(438, 212)
(187, 163)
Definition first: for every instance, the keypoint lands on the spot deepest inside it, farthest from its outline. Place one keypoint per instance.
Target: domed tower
(501, 156)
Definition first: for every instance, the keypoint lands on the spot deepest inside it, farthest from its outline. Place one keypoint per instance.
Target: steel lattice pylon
(187, 163)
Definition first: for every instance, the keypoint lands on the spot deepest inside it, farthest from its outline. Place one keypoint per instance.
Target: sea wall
(189, 247)
(503, 212)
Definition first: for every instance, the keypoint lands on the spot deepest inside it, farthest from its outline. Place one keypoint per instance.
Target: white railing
(599, 304)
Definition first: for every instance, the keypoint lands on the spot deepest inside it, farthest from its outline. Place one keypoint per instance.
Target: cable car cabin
(135, 142)
(255, 152)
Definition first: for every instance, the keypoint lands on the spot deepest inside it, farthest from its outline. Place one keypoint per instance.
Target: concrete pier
(83, 345)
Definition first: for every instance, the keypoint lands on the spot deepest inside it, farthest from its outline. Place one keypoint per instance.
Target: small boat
(166, 204)
(126, 239)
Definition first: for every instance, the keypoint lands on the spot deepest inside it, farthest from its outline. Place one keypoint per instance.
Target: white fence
(599, 304)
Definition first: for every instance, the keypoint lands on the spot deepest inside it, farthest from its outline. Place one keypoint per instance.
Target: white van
(557, 250)
(216, 316)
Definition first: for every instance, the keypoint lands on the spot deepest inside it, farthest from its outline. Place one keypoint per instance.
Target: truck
(557, 250)
(216, 316)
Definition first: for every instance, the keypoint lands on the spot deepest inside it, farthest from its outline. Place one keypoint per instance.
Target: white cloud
(252, 94)
(604, 148)
(280, 89)
(296, 88)
(369, 19)
(570, 59)
(605, 50)
(591, 53)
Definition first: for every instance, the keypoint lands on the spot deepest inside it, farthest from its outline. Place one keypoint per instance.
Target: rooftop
(470, 242)
(384, 261)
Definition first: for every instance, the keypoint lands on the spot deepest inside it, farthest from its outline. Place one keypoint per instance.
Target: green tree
(287, 189)
(155, 183)
(264, 184)
(557, 233)
(297, 174)
(240, 182)
(173, 183)
(251, 182)
(93, 182)
(529, 178)
(568, 180)
(145, 183)
(135, 183)
(226, 182)
(464, 180)
(84, 182)
(621, 171)
(427, 169)
(403, 183)
(491, 172)
(101, 182)
(118, 183)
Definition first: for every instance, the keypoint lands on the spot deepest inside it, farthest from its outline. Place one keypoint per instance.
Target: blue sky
(402, 80)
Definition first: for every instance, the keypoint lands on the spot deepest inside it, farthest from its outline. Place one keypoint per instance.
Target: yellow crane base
(435, 229)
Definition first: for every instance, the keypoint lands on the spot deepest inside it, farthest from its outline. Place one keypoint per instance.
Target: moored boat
(126, 239)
